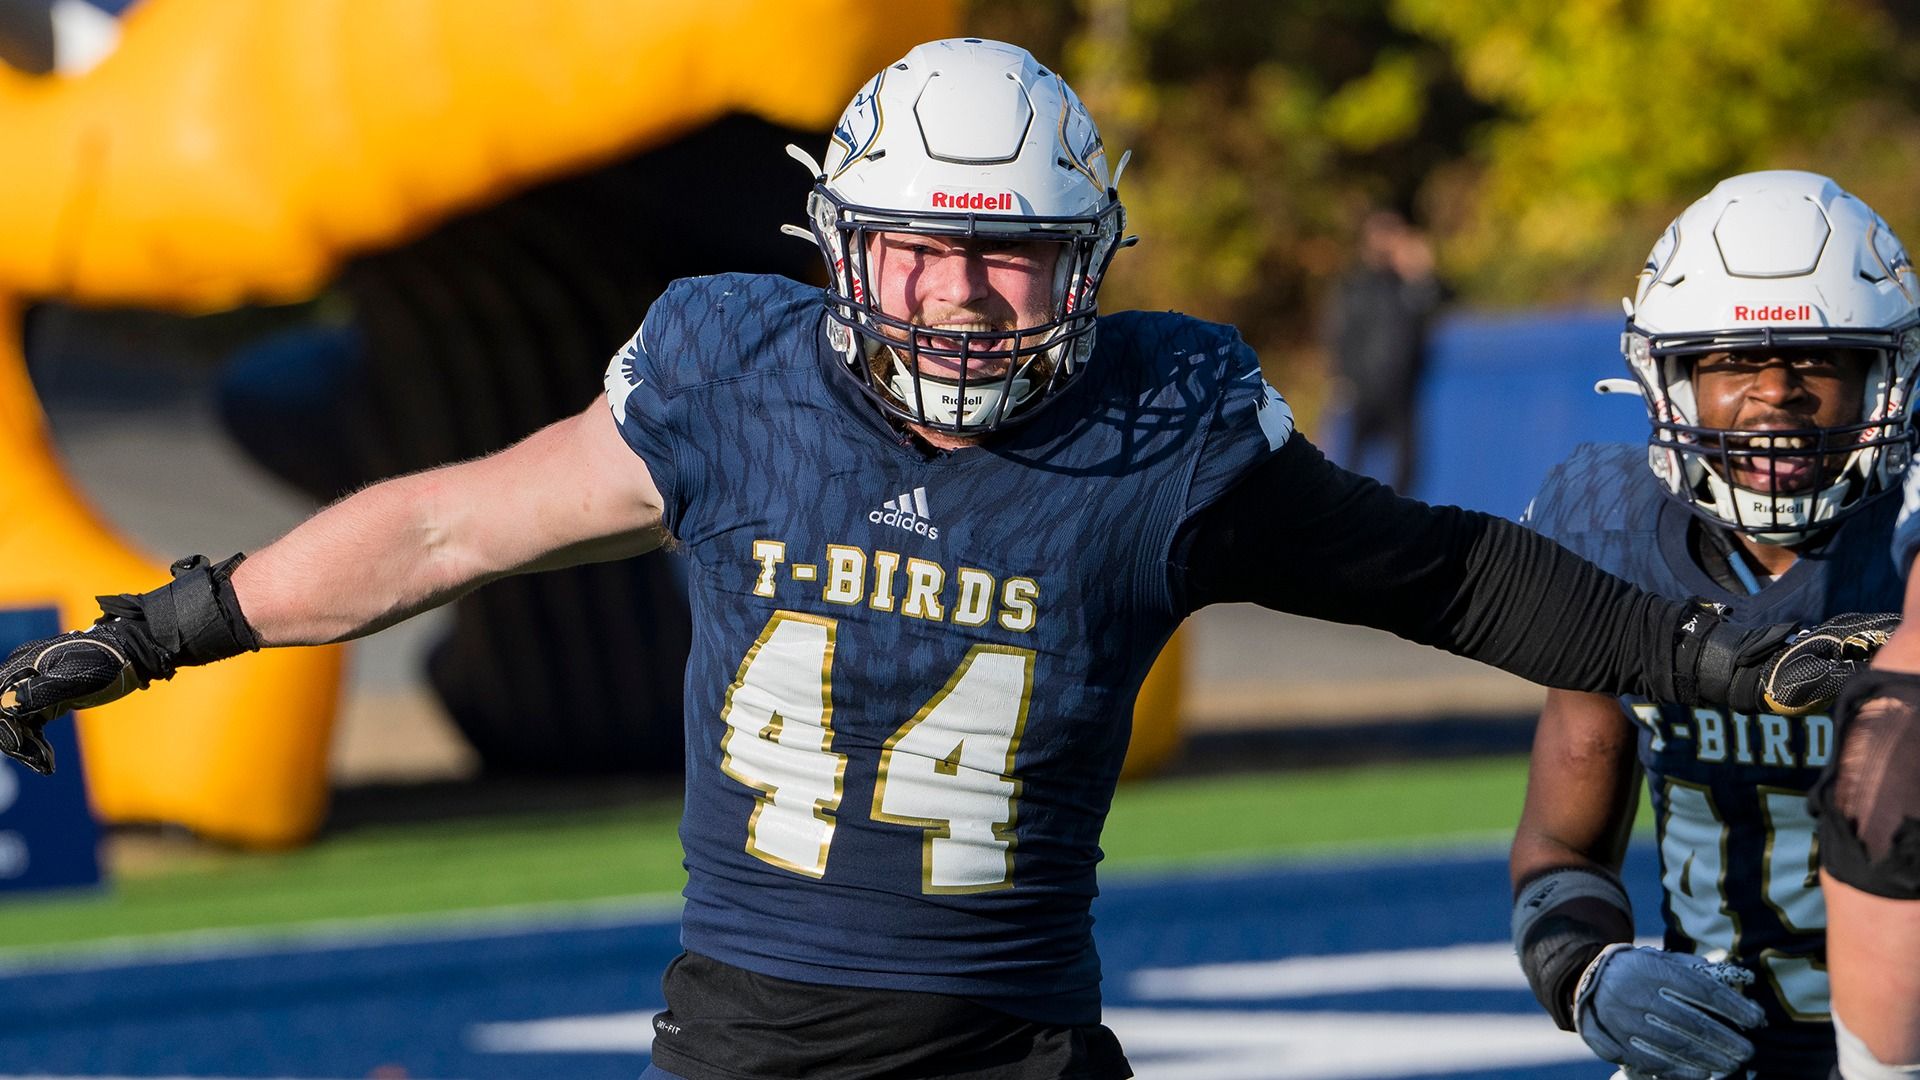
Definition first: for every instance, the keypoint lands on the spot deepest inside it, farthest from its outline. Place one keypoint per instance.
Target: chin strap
(996, 399)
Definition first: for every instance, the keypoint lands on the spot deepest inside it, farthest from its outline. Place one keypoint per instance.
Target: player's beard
(1034, 352)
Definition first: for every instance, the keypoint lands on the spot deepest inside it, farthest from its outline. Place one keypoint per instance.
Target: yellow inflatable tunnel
(227, 154)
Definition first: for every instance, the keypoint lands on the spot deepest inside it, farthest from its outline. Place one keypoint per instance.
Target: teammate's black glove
(194, 619)
(1780, 669)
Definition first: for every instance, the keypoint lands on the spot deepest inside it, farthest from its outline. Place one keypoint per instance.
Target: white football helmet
(965, 138)
(1775, 260)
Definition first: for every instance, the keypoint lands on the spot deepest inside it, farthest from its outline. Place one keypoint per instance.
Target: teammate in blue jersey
(939, 518)
(1773, 336)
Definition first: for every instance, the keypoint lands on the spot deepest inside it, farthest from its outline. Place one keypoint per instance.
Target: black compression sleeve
(1300, 534)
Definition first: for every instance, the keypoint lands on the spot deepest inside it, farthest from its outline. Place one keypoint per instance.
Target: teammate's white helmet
(1776, 260)
(965, 138)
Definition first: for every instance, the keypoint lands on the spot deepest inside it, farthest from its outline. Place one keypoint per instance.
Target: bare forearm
(569, 493)
(1581, 787)
(1902, 650)
(371, 560)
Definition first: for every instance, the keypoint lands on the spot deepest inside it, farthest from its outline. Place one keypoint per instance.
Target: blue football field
(1336, 968)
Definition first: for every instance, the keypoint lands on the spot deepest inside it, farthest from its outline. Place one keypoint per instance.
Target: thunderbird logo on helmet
(972, 200)
(859, 127)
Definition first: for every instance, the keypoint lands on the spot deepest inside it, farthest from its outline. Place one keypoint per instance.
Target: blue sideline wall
(1507, 396)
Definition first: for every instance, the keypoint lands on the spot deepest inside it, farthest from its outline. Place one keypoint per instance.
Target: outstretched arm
(572, 492)
(1300, 534)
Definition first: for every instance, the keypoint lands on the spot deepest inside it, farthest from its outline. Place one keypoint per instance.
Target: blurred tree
(1544, 141)
(1614, 114)
(1262, 133)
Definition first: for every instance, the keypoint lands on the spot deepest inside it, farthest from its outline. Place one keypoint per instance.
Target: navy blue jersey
(1906, 533)
(1737, 852)
(912, 675)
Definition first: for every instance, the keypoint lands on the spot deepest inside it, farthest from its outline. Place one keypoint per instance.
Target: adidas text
(907, 510)
(900, 520)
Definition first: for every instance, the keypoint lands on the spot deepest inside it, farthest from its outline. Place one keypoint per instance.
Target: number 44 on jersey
(948, 770)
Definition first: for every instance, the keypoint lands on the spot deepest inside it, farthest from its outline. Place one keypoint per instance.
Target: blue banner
(1508, 396)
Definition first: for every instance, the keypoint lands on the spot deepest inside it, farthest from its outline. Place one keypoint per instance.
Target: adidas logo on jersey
(907, 510)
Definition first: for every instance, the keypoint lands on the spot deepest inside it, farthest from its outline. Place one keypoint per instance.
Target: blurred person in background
(1868, 803)
(937, 532)
(1375, 329)
(1773, 336)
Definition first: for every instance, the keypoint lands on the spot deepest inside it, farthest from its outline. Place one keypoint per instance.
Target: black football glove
(1809, 672)
(1781, 669)
(45, 678)
(194, 619)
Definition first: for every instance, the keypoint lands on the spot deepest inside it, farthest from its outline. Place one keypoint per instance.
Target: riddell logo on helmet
(972, 200)
(1773, 313)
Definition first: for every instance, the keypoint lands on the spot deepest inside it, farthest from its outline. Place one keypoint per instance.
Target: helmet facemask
(997, 375)
(1814, 476)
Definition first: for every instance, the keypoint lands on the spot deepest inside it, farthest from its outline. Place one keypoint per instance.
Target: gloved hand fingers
(1702, 1043)
(1816, 662)
(1863, 627)
(1716, 1003)
(43, 679)
(21, 740)
(1803, 681)
(73, 672)
(1652, 1059)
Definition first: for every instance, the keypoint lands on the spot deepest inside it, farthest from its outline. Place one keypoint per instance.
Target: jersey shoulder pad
(701, 332)
(1600, 488)
(1167, 365)
(1184, 381)
(1857, 578)
(1906, 532)
(715, 329)
(1147, 353)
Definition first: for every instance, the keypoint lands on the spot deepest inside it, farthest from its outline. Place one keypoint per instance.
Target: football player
(1867, 802)
(1773, 336)
(940, 517)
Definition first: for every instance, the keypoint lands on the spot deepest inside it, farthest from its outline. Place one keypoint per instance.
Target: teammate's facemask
(972, 139)
(1775, 263)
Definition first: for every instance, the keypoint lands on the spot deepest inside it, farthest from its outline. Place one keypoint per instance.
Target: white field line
(1190, 1045)
(324, 935)
(1473, 967)
(1491, 966)
(610, 1033)
(1217, 1045)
